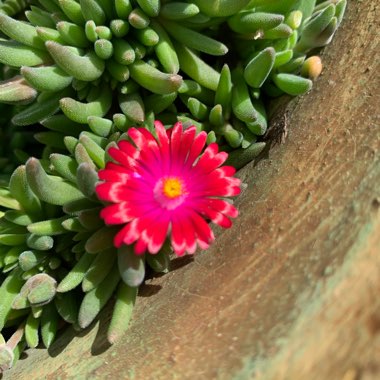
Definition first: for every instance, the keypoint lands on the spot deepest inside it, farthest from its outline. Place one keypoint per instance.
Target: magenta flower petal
(178, 241)
(217, 217)
(114, 176)
(120, 156)
(156, 236)
(211, 159)
(117, 213)
(187, 142)
(120, 236)
(197, 147)
(110, 191)
(205, 236)
(162, 138)
(161, 186)
(128, 148)
(140, 247)
(223, 206)
(189, 234)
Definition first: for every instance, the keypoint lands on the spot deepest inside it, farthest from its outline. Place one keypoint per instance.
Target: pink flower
(166, 187)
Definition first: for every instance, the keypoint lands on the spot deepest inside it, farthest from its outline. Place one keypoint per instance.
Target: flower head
(167, 186)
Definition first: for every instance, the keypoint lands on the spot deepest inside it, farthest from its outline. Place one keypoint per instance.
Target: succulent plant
(74, 58)
(80, 75)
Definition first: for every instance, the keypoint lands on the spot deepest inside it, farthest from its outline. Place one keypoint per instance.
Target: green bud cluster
(82, 72)
(16, 143)
(57, 258)
(172, 59)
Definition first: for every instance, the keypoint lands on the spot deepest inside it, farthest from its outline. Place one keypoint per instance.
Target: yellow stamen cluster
(172, 187)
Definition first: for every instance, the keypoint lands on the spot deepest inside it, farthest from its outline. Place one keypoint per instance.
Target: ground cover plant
(122, 125)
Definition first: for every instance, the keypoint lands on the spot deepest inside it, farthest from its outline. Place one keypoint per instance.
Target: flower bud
(312, 67)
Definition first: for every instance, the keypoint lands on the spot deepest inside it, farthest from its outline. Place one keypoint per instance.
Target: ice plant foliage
(77, 75)
(167, 186)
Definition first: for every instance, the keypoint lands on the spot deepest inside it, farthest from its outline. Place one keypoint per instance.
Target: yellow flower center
(172, 187)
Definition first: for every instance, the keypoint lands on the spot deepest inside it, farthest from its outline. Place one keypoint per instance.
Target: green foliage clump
(79, 73)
